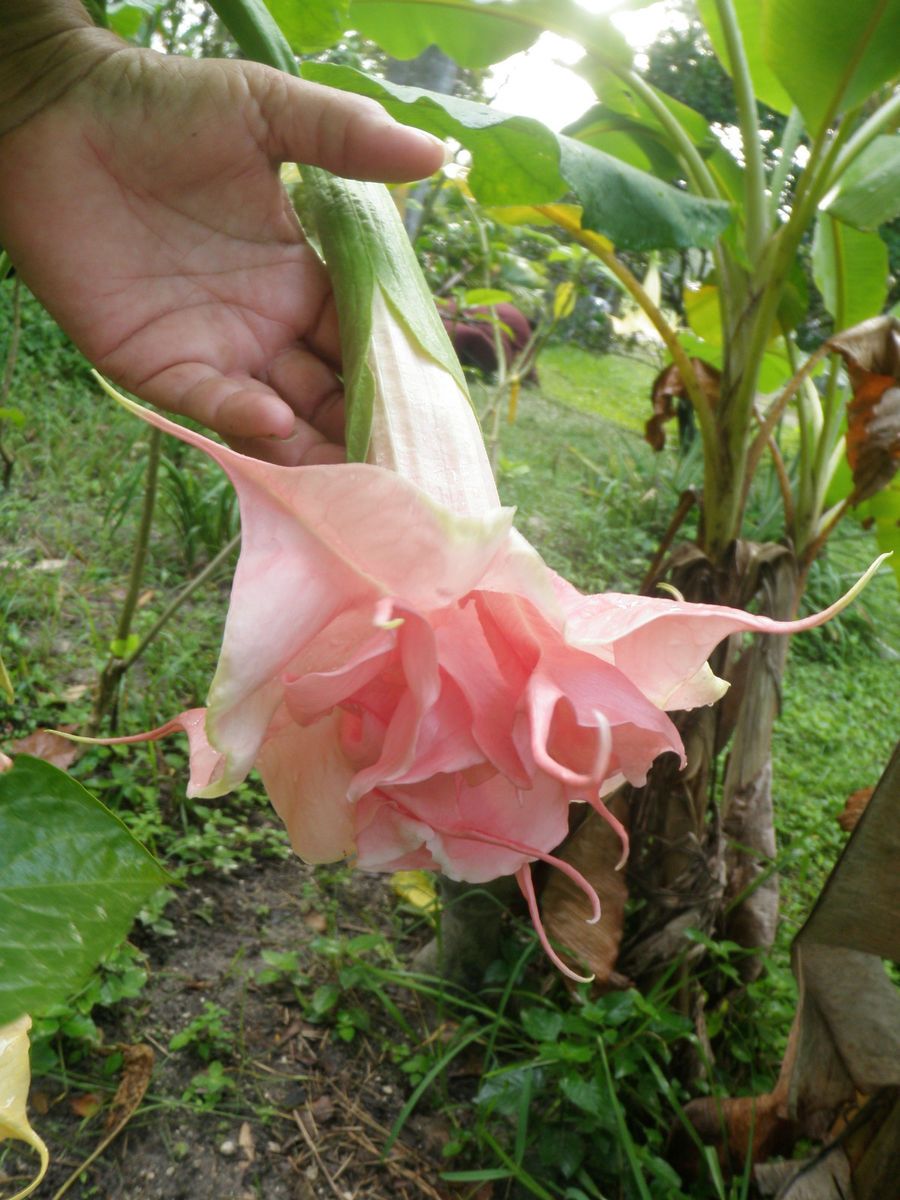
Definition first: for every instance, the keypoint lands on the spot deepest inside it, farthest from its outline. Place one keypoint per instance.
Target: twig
(784, 483)
(111, 675)
(773, 415)
(304, 1132)
(12, 354)
(186, 592)
(686, 502)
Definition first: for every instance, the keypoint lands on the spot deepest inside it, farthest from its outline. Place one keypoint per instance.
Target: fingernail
(446, 148)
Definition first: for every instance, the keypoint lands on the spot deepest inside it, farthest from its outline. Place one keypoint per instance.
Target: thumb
(346, 134)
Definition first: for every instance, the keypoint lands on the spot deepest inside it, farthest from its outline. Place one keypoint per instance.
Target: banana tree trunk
(702, 860)
(751, 883)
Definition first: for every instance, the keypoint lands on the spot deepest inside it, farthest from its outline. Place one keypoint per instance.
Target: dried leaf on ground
(136, 1071)
(49, 746)
(854, 809)
(247, 1142)
(321, 1109)
(86, 1104)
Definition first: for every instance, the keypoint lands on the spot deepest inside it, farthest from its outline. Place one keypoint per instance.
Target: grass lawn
(615, 387)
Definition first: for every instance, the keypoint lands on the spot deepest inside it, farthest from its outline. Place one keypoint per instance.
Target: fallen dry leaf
(136, 1072)
(321, 1109)
(246, 1142)
(854, 809)
(86, 1104)
(49, 746)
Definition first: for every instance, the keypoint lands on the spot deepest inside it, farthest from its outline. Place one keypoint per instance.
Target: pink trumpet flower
(414, 685)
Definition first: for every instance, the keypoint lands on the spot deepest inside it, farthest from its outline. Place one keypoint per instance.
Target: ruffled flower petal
(416, 687)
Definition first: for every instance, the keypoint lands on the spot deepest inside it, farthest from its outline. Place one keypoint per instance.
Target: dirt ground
(308, 1115)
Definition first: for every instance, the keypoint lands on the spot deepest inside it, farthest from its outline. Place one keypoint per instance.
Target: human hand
(143, 207)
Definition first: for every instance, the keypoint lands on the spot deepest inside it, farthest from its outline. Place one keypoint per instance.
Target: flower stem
(110, 676)
(12, 354)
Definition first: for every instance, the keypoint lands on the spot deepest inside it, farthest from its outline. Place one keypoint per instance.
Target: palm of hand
(178, 266)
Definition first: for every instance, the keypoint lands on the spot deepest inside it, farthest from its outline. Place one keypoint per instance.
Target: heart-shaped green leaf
(72, 879)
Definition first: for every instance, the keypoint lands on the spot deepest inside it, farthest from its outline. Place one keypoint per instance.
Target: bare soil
(307, 1115)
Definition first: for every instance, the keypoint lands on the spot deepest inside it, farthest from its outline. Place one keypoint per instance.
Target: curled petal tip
(575, 976)
(526, 883)
(592, 920)
(673, 591)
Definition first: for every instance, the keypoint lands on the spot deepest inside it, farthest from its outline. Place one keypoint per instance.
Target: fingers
(347, 135)
(296, 421)
(303, 449)
(234, 407)
(312, 390)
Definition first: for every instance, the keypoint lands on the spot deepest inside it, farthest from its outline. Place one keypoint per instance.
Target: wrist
(46, 46)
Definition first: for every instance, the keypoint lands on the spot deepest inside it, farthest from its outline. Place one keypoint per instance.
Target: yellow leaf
(701, 307)
(514, 388)
(15, 1077)
(564, 300)
(417, 888)
(461, 184)
(527, 214)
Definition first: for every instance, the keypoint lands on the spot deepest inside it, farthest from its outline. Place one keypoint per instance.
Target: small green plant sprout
(282, 967)
(207, 1036)
(208, 1088)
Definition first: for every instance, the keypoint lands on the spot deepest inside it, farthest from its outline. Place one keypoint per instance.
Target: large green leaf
(831, 55)
(516, 160)
(311, 26)
(868, 193)
(618, 95)
(766, 84)
(72, 879)
(476, 33)
(883, 511)
(774, 369)
(701, 307)
(127, 19)
(623, 138)
(729, 176)
(850, 270)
